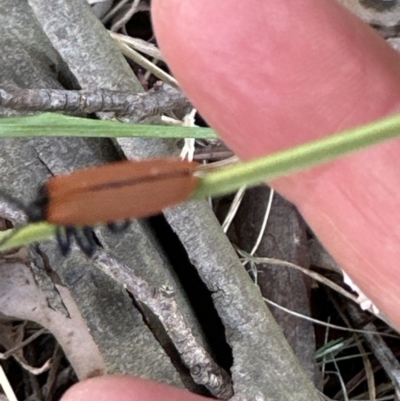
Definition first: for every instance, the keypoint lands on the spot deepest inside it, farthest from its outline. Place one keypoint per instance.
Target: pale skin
(269, 75)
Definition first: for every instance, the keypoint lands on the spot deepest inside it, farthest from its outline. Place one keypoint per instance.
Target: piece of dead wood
(161, 99)
(264, 364)
(284, 238)
(21, 298)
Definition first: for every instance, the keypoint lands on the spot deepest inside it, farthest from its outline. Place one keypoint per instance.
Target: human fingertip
(126, 388)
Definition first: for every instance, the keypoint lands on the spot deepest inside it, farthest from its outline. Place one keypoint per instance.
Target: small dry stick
(49, 387)
(137, 44)
(5, 384)
(162, 303)
(147, 64)
(159, 100)
(381, 350)
(113, 11)
(128, 15)
(22, 344)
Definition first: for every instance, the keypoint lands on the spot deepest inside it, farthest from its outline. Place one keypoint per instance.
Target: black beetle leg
(118, 228)
(64, 238)
(86, 240)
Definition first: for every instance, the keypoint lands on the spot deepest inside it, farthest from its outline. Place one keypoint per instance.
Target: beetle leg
(64, 238)
(86, 240)
(118, 227)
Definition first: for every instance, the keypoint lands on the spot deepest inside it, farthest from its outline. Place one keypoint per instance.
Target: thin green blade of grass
(53, 125)
(299, 158)
(259, 170)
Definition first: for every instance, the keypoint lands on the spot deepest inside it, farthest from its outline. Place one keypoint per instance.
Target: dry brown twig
(162, 303)
(160, 99)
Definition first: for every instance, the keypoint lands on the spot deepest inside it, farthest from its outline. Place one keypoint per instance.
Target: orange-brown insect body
(118, 191)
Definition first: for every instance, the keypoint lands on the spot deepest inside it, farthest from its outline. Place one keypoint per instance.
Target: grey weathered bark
(28, 60)
(264, 366)
(112, 72)
(161, 99)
